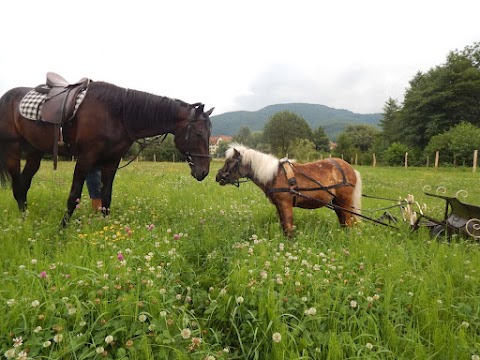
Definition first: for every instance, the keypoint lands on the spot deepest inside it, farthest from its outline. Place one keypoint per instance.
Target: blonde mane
(264, 166)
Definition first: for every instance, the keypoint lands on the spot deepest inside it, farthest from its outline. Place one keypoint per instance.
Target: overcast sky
(237, 55)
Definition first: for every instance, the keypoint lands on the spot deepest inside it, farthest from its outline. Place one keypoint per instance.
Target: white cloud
(237, 55)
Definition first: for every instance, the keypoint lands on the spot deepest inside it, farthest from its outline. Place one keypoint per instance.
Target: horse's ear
(209, 112)
(236, 153)
(199, 110)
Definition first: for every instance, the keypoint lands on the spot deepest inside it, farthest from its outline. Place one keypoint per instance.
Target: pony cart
(459, 219)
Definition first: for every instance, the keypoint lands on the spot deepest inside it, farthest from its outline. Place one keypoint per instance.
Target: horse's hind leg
(31, 167)
(21, 181)
(12, 165)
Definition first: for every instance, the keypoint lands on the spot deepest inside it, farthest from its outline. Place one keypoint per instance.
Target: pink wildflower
(43, 274)
(120, 256)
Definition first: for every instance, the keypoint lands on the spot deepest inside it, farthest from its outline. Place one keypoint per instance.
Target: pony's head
(242, 162)
(231, 171)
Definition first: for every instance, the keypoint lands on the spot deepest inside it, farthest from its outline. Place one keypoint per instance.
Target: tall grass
(190, 270)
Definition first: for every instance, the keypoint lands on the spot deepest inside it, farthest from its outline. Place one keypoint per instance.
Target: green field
(190, 270)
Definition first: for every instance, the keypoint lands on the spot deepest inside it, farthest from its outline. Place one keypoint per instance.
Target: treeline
(440, 113)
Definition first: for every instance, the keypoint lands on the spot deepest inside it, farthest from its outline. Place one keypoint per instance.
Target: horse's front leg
(285, 213)
(108, 174)
(75, 194)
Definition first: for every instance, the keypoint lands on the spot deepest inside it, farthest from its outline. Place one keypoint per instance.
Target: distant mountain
(332, 120)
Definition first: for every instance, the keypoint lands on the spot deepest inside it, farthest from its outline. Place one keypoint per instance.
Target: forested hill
(332, 120)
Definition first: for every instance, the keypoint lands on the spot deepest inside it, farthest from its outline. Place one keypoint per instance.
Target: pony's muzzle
(222, 179)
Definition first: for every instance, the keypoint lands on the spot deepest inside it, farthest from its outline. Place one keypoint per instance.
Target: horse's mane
(264, 166)
(140, 107)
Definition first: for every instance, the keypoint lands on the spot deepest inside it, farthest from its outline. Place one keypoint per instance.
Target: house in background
(215, 142)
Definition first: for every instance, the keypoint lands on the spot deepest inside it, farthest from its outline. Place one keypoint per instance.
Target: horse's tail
(5, 102)
(357, 197)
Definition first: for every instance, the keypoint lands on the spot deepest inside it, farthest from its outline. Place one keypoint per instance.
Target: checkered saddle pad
(31, 104)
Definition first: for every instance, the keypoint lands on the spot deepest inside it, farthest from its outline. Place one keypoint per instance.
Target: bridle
(235, 165)
(190, 129)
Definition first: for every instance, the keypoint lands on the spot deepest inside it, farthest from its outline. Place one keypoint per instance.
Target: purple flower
(43, 274)
(120, 257)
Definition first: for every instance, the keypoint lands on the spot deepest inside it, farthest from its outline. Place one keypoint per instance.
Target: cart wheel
(439, 231)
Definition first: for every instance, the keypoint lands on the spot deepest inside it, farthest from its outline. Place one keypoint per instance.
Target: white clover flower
(10, 353)
(47, 343)
(37, 329)
(185, 333)
(72, 311)
(353, 304)
(33, 261)
(475, 357)
(35, 303)
(465, 324)
(310, 312)
(22, 355)
(276, 337)
(369, 346)
(152, 327)
(99, 349)
(18, 341)
(109, 339)
(240, 299)
(58, 338)
(10, 302)
(142, 318)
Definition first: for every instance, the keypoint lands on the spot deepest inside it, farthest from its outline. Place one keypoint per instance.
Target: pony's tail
(357, 197)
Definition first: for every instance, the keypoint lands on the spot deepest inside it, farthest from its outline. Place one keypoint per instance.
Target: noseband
(235, 166)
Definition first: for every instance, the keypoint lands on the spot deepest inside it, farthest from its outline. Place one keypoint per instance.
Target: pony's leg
(285, 213)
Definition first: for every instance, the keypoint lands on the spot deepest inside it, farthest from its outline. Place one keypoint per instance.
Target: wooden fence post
(406, 160)
(475, 157)
(436, 159)
(374, 160)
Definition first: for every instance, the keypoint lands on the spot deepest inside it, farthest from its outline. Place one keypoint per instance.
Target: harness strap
(290, 174)
(339, 168)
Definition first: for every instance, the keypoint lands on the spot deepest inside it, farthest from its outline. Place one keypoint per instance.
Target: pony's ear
(236, 153)
(209, 112)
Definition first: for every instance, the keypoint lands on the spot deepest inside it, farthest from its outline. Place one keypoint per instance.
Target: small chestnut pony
(330, 182)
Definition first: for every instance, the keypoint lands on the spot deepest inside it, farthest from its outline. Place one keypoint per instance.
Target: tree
(282, 129)
(320, 139)
(457, 144)
(442, 98)
(395, 154)
(303, 150)
(356, 140)
(390, 123)
(244, 136)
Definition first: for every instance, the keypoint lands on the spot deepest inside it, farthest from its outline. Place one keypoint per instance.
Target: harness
(289, 170)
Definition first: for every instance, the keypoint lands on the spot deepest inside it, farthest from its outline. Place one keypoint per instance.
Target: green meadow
(191, 270)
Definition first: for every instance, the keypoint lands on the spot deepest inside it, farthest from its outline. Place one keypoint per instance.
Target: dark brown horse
(332, 183)
(107, 122)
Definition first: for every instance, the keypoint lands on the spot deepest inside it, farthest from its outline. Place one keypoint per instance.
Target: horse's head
(192, 134)
(232, 170)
